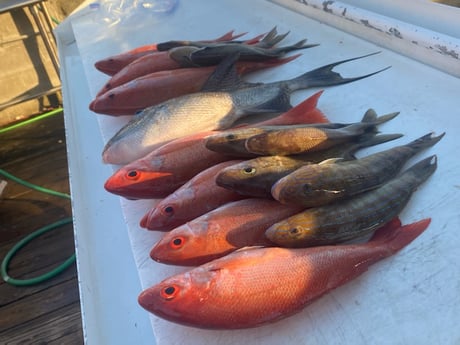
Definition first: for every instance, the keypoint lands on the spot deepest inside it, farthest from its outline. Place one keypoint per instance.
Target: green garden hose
(6, 260)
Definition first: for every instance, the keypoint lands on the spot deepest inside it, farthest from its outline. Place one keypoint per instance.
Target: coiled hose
(6, 260)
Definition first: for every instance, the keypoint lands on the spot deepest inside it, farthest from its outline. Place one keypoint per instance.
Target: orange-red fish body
(146, 64)
(157, 87)
(115, 63)
(213, 110)
(252, 287)
(194, 198)
(163, 170)
(305, 112)
(232, 226)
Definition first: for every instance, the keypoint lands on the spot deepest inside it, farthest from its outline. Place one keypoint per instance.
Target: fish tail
(272, 38)
(422, 170)
(369, 140)
(249, 66)
(225, 76)
(296, 46)
(253, 40)
(369, 122)
(393, 236)
(306, 111)
(384, 118)
(229, 36)
(425, 141)
(324, 76)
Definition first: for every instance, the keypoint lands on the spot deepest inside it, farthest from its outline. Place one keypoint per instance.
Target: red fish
(232, 226)
(198, 196)
(154, 88)
(146, 64)
(252, 287)
(153, 62)
(163, 170)
(113, 64)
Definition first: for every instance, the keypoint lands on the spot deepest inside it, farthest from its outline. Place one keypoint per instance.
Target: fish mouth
(222, 181)
(144, 221)
(151, 222)
(147, 189)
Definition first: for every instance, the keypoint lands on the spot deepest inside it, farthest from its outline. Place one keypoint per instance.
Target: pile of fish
(256, 205)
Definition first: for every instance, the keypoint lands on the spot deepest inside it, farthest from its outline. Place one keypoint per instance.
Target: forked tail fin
(304, 112)
(424, 142)
(324, 76)
(368, 140)
(394, 236)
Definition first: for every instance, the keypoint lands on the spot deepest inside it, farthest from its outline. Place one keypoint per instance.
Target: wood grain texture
(49, 312)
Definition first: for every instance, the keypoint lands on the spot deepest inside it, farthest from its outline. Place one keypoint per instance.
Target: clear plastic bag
(130, 12)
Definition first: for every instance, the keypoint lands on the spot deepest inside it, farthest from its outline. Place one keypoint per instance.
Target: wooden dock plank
(48, 329)
(49, 312)
(37, 305)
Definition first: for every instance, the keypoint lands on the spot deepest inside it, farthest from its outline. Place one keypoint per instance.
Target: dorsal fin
(225, 77)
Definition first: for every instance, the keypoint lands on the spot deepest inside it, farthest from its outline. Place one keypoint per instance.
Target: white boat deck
(410, 298)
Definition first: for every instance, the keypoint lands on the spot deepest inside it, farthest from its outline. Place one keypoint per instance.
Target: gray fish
(232, 141)
(352, 218)
(211, 110)
(299, 140)
(255, 177)
(331, 180)
(213, 53)
(268, 40)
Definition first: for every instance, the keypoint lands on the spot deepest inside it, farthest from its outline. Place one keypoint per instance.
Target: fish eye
(111, 95)
(249, 170)
(133, 175)
(169, 292)
(177, 242)
(306, 188)
(294, 231)
(230, 137)
(169, 210)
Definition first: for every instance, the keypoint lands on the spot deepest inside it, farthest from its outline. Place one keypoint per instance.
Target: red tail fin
(254, 40)
(305, 112)
(244, 67)
(395, 237)
(228, 36)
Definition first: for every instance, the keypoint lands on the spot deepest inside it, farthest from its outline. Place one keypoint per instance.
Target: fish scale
(212, 110)
(223, 230)
(145, 133)
(331, 180)
(354, 217)
(251, 287)
(255, 177)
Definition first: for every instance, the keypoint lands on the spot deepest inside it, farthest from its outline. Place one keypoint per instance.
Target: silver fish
(211, 110)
